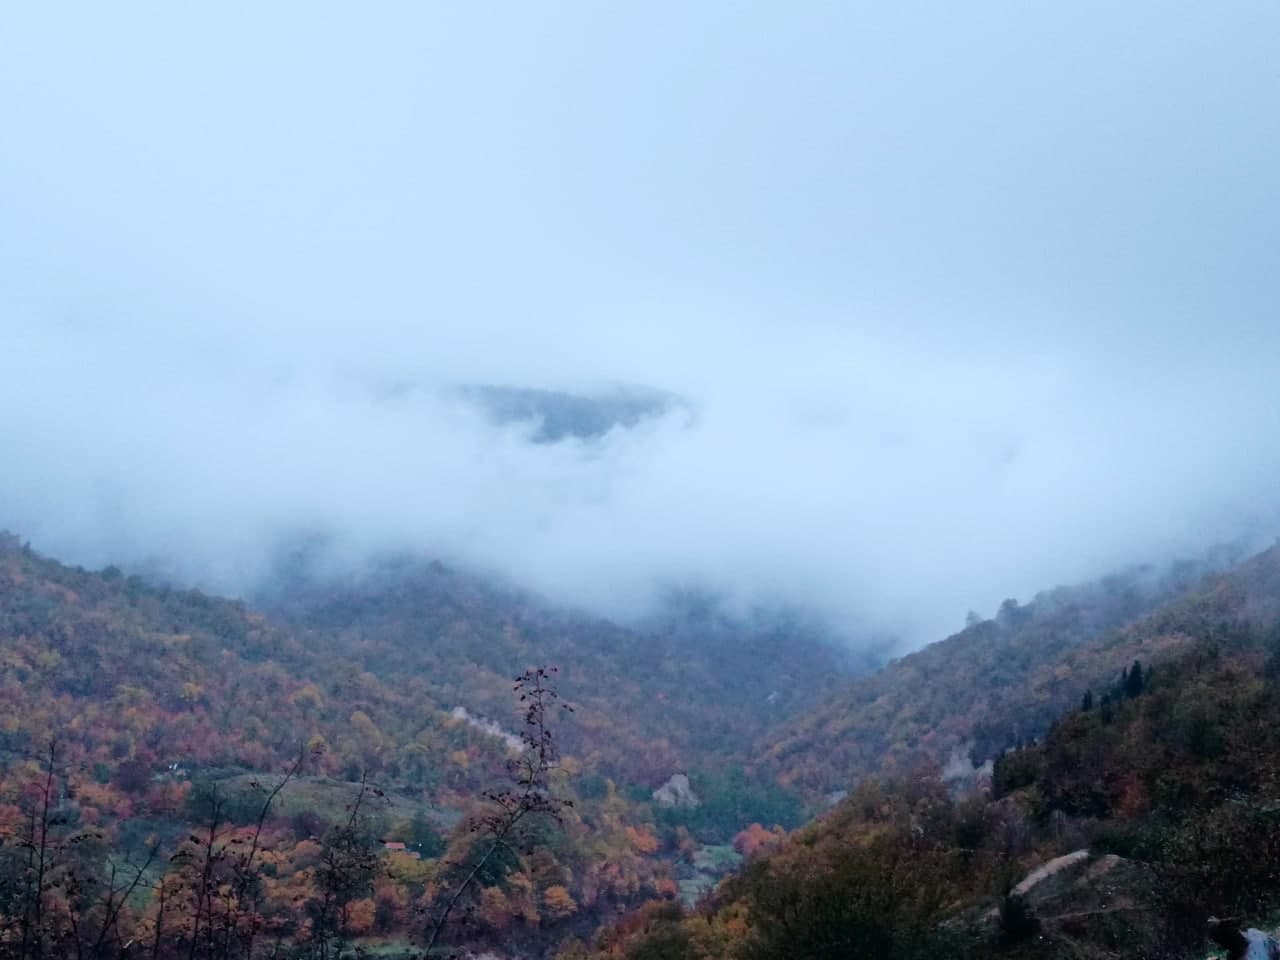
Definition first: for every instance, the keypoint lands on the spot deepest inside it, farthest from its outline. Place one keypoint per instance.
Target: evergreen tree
(1133, 680)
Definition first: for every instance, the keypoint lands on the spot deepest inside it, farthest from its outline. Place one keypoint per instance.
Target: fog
(946, 303)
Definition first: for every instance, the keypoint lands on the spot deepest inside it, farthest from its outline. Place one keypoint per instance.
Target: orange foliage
(495, 909)
(642, 840)
(756, 838)
(558, 902)
(360, 916)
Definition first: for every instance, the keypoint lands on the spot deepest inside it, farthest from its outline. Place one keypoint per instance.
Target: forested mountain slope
(1121, 833)
(694, 689)
(130, 711)
(129, 708)
(990, 686)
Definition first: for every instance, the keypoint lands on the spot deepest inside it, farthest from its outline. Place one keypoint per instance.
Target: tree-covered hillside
(142, 715)
(694, 688)
(357, 739)
(994, 684)
(1123, 832)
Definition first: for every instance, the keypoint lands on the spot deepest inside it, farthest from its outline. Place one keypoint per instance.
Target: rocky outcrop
(677, 794)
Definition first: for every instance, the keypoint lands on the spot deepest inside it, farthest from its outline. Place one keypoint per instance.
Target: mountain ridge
(990, 685)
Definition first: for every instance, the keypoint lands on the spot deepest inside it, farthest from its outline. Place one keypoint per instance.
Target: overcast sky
(967, 299)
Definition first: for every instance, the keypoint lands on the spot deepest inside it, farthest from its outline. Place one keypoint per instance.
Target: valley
(689, 765)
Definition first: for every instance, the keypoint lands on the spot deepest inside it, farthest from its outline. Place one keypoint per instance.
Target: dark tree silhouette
(1133, 681)
(348, 863)
(529, 795)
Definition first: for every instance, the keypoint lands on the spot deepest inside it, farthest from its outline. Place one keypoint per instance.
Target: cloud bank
(957, 306)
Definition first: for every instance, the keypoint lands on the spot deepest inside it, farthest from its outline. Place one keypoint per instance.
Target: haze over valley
(680, 482)
(895, 342)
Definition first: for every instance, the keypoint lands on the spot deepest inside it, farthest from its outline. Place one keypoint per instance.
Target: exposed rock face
(676, 793)
(960, 772)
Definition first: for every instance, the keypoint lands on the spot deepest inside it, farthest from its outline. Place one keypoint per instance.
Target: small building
(396, 846)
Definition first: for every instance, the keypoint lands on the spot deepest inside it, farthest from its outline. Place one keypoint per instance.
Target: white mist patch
(513, 743)
(957, 306)
(888, 491)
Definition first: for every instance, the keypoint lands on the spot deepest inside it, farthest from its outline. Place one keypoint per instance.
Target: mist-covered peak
(555, 415)
(957, 318)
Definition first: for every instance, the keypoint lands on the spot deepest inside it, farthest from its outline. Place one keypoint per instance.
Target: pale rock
(677, 794)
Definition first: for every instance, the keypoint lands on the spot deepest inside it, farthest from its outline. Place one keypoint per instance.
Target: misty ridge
(557, 415)
(795, 477)
(897, 337)
(734, 481)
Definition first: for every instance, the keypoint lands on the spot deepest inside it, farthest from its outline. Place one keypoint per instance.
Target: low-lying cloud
(946, 308)
(883, 487)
